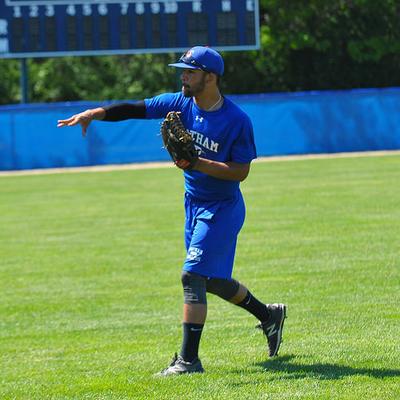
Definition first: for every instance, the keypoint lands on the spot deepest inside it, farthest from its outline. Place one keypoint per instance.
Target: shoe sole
(279, 340)
(161, 375)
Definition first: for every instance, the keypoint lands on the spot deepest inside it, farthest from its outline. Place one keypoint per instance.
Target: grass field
(90, 295)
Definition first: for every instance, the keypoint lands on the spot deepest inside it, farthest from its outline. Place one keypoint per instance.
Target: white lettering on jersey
(204, 141)
(214, 146)
(199, 138)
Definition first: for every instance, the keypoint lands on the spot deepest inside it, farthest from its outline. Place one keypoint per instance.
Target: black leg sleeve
(224, 288)
(194, 288)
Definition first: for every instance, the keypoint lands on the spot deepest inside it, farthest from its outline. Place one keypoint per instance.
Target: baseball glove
(178, 141)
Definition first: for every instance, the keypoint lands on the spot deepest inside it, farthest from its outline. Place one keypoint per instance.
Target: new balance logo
(271, 330)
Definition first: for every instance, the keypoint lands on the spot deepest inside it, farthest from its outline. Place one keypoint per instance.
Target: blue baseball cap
(201, 57)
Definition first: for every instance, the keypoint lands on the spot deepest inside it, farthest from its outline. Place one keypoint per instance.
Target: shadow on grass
(294, 370)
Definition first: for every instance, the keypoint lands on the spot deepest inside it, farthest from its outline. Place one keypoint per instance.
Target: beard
(195, 89)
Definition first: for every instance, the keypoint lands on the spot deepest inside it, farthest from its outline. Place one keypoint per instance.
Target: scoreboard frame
(55, 28)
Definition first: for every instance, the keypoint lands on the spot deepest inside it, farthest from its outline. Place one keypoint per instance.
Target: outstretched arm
(84, 119)
(113, 112)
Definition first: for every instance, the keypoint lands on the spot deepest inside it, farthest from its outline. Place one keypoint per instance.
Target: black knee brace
(194, 288)
(224, 288)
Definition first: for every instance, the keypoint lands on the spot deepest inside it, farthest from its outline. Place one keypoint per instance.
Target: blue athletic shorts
(211, 230)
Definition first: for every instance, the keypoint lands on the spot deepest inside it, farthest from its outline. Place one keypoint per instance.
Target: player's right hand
(83, 118)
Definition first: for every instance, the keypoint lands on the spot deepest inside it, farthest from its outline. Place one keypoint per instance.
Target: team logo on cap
(189, 53)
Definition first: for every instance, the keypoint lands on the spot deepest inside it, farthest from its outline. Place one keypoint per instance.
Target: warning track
(168, 164)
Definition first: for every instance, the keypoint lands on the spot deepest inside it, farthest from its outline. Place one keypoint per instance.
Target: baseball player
(214, 206)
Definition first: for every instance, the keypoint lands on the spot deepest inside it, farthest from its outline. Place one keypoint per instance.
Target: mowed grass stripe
(90, 295)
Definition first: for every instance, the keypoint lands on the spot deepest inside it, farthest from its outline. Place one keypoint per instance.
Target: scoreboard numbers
(48, 28)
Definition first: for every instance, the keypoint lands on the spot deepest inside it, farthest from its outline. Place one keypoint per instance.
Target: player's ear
(210, 77)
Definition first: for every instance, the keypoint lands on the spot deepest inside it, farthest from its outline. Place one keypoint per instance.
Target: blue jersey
(222, 135)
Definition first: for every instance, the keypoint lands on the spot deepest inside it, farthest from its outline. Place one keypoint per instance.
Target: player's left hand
(182, 164)
(178, 141)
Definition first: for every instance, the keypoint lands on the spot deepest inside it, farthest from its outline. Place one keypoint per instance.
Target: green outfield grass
(90, 295)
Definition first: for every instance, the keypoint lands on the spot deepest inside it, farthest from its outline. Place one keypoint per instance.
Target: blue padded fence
(284, 124)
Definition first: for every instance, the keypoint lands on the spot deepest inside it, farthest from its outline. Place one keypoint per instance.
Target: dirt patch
(168, 164)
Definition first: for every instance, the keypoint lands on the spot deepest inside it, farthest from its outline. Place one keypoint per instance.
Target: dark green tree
(9, 81)
(305, 45)
(322, 44)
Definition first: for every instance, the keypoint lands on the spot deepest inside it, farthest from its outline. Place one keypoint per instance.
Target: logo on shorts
(194, 254)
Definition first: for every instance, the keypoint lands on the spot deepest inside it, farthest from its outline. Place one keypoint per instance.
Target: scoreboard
(48, 28)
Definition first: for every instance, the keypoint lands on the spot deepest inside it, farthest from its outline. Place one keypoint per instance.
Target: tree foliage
(305, 45)
(321, 44)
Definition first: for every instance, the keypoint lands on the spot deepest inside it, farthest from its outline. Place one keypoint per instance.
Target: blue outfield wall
(284, 124)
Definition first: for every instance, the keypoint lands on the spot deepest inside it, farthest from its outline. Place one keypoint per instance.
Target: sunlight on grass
(90, 295)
